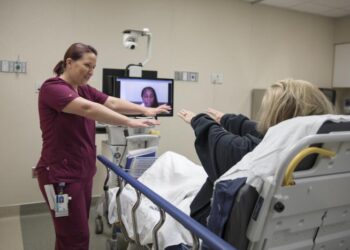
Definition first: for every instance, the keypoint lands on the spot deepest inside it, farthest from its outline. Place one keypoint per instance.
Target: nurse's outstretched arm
(126, 107)
(95, 111)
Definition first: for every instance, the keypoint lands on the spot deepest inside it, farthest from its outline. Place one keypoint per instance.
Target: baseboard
(30, 208)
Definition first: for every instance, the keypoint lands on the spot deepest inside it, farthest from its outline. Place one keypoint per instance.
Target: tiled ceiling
(330, 8)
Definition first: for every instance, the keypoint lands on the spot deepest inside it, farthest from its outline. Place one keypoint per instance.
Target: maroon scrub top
(68, 150)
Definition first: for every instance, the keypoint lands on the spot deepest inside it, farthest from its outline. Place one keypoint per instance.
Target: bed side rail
(208, 237)
(258, 226)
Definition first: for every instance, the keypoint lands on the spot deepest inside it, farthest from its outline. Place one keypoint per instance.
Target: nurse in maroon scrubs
(68, 109)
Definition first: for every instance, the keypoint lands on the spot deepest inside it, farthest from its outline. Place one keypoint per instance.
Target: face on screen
(149, 97)
(146, 92)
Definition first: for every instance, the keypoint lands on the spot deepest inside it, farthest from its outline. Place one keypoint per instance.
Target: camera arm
(130, 39)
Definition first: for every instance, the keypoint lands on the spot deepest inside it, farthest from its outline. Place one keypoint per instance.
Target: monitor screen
(146, 92)
(330, 94)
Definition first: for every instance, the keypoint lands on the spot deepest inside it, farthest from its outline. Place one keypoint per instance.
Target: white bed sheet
(177, 180)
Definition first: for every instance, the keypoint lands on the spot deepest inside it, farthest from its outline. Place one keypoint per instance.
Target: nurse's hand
(159, 110)
(215, 114)
(142, 123)
(186, 115)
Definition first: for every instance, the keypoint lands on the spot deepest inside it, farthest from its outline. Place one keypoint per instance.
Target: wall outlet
(13, 66)
(217, 78)
(186, 76)
(193, 76)
(4, 66)
(20, 67)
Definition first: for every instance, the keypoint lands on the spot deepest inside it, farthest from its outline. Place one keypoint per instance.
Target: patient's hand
(215, 114)
(186, 115)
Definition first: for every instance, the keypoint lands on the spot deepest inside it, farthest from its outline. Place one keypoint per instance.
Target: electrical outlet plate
(217, 78)
(13, 66)
(193, 76)
(4, 66)
(186, 76)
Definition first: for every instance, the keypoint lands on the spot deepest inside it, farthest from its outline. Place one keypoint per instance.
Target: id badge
(61, 205)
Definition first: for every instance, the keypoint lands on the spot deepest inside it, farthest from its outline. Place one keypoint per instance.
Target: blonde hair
(290, 98)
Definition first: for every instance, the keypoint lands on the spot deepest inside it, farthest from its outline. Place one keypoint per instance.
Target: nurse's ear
(69, 62)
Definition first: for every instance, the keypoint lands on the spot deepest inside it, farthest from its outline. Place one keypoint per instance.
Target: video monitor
(330, 94)
(146, 92)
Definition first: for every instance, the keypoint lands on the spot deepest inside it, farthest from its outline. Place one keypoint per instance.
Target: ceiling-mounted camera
(130, 39)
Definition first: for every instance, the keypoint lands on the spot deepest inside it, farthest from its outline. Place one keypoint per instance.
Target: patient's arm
(186, 115)
(218, 149)
(236, 124)
(239, 125)
(216, 115)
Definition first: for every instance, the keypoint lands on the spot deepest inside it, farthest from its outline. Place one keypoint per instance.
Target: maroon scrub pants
(72, 231)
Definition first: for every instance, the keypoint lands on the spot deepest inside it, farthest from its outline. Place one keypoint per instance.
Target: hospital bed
(197, 230)
(118, 148)
(306, 206)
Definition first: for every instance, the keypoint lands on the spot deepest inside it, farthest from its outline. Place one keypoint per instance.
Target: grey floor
(38, 232)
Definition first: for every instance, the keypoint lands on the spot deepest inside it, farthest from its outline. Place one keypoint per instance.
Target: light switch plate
(5, 66)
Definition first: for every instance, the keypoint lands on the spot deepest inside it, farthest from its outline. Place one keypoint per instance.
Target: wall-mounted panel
(341, 70)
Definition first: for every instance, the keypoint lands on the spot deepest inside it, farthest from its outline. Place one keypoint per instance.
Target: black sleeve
(218, 149)
(239, 125)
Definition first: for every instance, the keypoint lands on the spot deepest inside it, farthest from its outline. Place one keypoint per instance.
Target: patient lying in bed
(224, 140)
(179, 180)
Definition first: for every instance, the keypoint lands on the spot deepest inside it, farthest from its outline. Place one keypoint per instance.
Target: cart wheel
(98, 225)
(111, 244)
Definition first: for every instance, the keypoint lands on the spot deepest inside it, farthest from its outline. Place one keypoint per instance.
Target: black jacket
(219, 147)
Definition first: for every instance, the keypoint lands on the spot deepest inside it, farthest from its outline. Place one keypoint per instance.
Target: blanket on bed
(177, 180)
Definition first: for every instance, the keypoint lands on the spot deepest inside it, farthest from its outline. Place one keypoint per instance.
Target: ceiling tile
(330, 8)
(336, 13)
(311, 8)
(333, 3)
(282, 3)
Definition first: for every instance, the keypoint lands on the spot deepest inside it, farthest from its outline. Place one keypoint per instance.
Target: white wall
(251, 45)
(342, 30)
